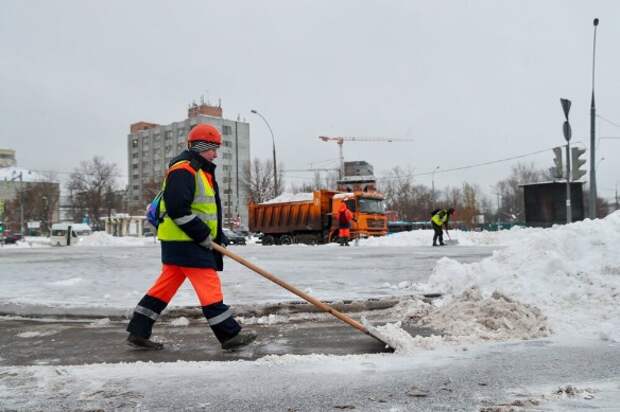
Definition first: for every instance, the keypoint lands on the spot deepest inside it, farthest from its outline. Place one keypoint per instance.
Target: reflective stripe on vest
(203, 206)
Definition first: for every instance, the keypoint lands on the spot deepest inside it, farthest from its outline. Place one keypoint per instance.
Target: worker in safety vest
(439, 221)
(192, 219)
(344, 224)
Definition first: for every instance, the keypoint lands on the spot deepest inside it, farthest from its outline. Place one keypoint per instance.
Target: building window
(227, 156)
(227, 143)
(226, 130)
(134, 143)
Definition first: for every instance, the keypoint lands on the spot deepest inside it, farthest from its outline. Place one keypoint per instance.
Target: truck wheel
(287, 240)
(268, 240)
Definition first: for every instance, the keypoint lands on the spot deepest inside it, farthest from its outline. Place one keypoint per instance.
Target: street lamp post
(275, 164)
(592, 199)
(499, 225)
(433, 185)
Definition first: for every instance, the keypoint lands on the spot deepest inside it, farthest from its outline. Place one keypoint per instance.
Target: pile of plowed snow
(571, 273)
(104, 239)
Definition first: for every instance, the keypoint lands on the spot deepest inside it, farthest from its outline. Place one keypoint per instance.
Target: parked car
(11, 238)
(233, 237)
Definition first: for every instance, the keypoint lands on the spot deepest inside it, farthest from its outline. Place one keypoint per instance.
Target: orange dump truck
(312, 217)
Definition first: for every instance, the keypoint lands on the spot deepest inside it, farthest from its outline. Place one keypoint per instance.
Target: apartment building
(151, 146)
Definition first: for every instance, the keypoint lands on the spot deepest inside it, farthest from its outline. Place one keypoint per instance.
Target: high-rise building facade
(150, 147)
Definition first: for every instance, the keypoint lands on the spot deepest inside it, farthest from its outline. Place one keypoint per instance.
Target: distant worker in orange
(344, 224)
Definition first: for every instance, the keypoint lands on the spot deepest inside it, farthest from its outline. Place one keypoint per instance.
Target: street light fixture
(592, 202)
(275, 164)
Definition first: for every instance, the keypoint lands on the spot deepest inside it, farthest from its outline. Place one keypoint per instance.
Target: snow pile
(291, 197)
(400, 340)
(104, 239)
(571, 272)
(494, 318)
(29, 242)
(424, 237)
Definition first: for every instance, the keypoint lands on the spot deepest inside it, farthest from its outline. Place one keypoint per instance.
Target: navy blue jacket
(178, 195)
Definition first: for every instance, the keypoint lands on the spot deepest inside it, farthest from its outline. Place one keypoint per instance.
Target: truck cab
(368, 214)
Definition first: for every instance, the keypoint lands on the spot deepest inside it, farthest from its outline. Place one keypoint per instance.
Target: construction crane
(341, 140)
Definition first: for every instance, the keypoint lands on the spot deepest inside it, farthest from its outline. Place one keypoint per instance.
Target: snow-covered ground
(570, 273)
(561, 283)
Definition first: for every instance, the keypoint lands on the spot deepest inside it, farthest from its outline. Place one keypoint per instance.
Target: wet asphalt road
(493, 377)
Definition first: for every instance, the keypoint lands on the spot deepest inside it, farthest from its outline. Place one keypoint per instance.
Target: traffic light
(557, 171)
(1, 228)
(576, 163)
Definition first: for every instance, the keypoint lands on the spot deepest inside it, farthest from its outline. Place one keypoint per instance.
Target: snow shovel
(451, 241)
(370, 331)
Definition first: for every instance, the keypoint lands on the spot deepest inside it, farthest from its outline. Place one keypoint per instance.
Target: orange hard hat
(204, 132)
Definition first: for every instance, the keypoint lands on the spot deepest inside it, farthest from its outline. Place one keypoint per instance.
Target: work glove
(206, 243)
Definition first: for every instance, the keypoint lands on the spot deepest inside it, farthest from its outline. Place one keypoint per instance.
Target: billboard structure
(545, 203)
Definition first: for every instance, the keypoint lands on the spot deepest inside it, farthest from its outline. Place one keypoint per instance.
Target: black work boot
(241, 339)
(143, 343)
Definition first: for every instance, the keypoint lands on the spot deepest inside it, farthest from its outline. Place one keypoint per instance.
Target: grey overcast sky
(469, 81)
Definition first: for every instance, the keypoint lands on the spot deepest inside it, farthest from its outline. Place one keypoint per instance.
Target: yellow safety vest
(203, 206)
(439, 221)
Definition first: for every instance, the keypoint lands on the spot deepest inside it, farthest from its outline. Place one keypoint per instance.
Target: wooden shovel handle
(323, 306)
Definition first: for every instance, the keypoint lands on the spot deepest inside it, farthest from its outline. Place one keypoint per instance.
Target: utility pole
(21, 203)
(433, 185)
(592, 199)
(498, 214)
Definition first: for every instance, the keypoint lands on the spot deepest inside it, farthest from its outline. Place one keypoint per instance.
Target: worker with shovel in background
(189, 226)
(344, 224)
(439, 221)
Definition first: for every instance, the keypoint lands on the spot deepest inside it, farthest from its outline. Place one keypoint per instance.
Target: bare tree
(511, 194)
(470, 204)
(88, 186)
(258, 180)
(411, 201)
(40, 200)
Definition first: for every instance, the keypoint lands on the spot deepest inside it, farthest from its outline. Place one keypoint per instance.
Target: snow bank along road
(531, 320)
